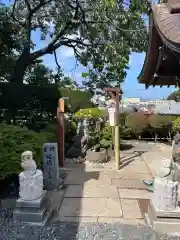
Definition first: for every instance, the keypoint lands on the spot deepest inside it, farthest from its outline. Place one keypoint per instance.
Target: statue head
(27, 162)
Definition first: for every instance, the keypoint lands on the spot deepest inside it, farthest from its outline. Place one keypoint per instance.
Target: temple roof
(161, 66)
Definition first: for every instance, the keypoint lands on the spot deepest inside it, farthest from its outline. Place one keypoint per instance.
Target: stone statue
(166, 169)
(176, 148)
(86, 127)
(79, 127)
(165, 196)
(31, 179)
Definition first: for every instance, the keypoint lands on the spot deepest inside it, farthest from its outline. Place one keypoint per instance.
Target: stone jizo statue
(31, 179)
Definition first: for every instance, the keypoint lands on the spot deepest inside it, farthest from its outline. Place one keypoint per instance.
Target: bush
(15, 140)
(161, 125)
(137, 123)
(50, 132)
(122, 119)
(106, 136)
(176, 125)
(70, 130)
(90, 113)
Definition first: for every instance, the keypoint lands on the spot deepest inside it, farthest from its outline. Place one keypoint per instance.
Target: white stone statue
(165, 196)
(31, 179)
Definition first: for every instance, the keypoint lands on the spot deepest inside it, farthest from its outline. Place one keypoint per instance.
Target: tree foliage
(137, 122)
(76, 99)
(94, 29)
(10, 43)
(174, 96)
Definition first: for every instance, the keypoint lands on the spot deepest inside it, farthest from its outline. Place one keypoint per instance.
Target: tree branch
(41, 4)
(51, 48)
(13, 15)
(28, 5)
(56, 61)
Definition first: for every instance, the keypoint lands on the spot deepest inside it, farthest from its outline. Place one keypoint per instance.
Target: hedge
(154, 125)
(13, 141)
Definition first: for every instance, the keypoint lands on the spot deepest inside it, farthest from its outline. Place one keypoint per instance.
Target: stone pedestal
(35, 212)
(165, 196)
(163, 211)
(163, 221)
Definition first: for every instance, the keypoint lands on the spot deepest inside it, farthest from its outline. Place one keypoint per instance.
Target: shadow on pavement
(67, 224)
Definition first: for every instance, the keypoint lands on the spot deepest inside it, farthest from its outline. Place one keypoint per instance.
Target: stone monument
(163, 210)
(51, 166)
(33, 205)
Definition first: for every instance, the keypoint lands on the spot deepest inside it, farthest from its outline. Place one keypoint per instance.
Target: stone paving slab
(128, 183)
(135, 169)
(80, 178)
(129, 175)
(91, 191)
(130, 208)
(90, 207)
(133, 221)
(153, 161)
(134, 194)
(77, 219)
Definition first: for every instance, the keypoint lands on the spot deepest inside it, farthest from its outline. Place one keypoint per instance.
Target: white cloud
(65, 52)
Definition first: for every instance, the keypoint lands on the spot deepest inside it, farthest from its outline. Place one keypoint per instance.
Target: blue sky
(131, 87)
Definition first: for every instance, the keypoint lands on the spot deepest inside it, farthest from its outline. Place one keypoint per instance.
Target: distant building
(131, 101)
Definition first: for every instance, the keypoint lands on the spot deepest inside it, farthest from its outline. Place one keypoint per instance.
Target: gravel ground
(73, 231)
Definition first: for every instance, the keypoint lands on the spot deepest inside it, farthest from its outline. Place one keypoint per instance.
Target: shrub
(106, 136)
(70, 130)
(50, 132)
(137, 123)
(122, 119)
(15, 140)
(176, 125)
(161, 125)
(90, 113)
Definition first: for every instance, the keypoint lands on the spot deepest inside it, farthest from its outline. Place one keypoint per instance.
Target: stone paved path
(99, 203)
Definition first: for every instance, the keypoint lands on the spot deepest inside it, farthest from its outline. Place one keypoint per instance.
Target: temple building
(162, 62)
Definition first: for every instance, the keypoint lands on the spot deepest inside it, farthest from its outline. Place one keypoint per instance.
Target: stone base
(160, 221)
(35, 212)
(96, 157)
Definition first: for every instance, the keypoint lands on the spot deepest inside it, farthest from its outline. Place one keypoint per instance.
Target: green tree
(174, 96)
(94, 29)
(39, 75)
(77, 99)
(10, 43)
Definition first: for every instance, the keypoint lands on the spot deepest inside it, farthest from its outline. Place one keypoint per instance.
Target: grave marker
(50, 166)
